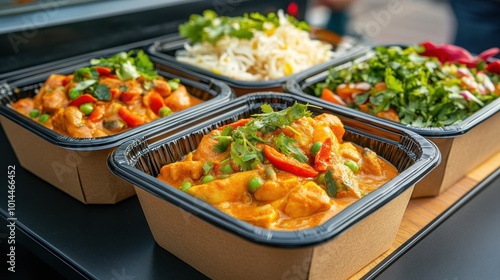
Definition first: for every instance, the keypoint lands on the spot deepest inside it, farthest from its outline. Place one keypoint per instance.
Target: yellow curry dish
(282, 170)
(110, 96)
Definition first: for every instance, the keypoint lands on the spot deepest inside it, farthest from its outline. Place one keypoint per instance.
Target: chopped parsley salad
(422, 86)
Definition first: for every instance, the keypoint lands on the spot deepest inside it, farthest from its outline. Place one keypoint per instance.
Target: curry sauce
(281, 170)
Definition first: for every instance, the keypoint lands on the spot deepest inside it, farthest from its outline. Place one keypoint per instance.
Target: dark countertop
(82, 241)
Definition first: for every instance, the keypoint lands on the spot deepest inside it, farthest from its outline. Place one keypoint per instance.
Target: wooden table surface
(421, 211)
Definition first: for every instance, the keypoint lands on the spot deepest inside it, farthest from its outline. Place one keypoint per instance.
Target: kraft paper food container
(463, 146)
(165, 49)
(78, 166)
(223, 247)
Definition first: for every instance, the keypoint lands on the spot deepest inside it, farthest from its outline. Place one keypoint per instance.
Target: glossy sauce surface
(280, 192)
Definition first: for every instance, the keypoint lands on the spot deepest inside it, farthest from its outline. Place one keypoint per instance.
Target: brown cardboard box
(459, 155)
(223, 247)
(221, 255)
(81, 174)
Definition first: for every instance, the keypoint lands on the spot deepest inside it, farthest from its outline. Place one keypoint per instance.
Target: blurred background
(65, 28)
(390, 21)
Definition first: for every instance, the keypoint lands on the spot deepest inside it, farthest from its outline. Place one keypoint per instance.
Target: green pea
(44, 118)
(227, 169)
(164, 111)
(352, 165)
(74, 93)
(185, 186)
(207, 179)
(254, 184)
(87, 108)
(174, 84)
(34, 113)
(315, 148)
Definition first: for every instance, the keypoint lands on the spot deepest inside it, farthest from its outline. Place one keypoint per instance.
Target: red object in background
(293, 9)
(494, 67)
(452, 53)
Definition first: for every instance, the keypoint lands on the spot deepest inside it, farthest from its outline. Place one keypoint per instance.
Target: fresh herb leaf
(102, 92)
(207, 167)
(129, 66)
(288, 146)
(222, 144)
(224, 140)
(269, 120)
(210, 27)
(84, 84)
(245, 155)
(391, 81)
(127, 71)
(242, 140)
(144, 66)
(85, 73)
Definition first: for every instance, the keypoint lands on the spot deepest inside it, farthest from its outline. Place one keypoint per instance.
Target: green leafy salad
(401, 85)
(210, 27)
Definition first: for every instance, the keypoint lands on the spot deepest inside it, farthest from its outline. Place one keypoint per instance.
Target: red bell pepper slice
(128, 97)
(103, 71)
(156, 102)
(236, 124)
(84, 98)
(131, 119)
(323, 158)
(115, 92)
(67, 80)
(97, 114)
(288, 164)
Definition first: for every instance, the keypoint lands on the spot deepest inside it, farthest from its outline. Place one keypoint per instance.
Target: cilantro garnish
(126, 66)
(210, 27)
(129, 65)
(242, 140)
(288, 146)
(224, 140)
(269, 120)
(207, 167)
(102, 92)
(85, 73)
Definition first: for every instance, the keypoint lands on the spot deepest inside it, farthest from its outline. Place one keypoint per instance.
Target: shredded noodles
(270, 54)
